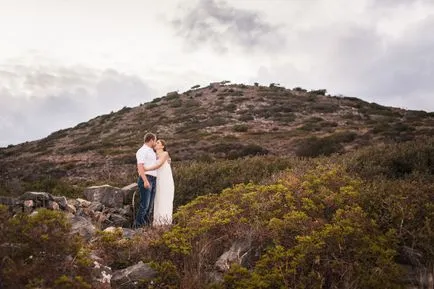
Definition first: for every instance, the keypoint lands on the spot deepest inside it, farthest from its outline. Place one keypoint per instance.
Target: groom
(146, 182)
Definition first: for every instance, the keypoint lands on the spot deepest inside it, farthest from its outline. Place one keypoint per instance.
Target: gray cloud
(222, 26)
(357, 61)
(396, 71)
(40, 101)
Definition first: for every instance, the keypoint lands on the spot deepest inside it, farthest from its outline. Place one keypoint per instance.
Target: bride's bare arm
(164, 157)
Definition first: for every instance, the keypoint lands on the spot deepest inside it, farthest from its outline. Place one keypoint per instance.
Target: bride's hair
(163, 142)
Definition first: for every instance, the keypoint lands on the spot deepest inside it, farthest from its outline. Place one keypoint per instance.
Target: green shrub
(194, 179)
(394, 160)
(53, 186)
(36, 251)
(308, 230)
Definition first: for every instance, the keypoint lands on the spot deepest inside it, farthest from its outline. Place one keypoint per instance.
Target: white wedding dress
(163, 202)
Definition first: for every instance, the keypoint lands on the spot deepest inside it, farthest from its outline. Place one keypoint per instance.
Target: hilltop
(220, 121)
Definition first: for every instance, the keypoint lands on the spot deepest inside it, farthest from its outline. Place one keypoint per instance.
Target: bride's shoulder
(164, 155)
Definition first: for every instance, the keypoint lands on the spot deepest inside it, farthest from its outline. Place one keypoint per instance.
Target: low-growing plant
(37, 250)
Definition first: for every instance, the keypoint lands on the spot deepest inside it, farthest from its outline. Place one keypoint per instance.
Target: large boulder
(83, 227)
(129, 193)
(418, 275)
(133, 276)
(107, 195)
(40, 199)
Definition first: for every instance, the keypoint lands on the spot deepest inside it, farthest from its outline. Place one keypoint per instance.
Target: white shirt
(146, 156)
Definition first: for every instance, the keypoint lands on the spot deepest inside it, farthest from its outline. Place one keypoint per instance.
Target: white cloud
(63, 62)
(38, 100)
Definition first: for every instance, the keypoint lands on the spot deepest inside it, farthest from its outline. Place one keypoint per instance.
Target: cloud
(35, 101)
(357, 60)
(223, 27)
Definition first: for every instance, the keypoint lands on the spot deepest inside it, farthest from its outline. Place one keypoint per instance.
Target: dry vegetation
(210, 123)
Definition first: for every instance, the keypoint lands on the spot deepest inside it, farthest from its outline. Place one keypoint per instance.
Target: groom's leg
(153, 183)
(145, 195)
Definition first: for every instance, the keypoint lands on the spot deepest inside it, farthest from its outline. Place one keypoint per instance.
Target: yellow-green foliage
(407, 206)
(35, 255)
(119, 252)
(309, 228)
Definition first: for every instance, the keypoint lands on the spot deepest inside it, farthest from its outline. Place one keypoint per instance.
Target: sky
(63, 62)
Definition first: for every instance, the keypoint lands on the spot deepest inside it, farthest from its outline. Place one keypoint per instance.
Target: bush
(307, 230)
(36, 251)
(314, 146)
(246, 117)
(395, 160)
(194, 179)
(240, 128)
(53, 186)
(318, 92)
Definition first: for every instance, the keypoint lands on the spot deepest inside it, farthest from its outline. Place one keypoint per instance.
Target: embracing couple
(156, 187)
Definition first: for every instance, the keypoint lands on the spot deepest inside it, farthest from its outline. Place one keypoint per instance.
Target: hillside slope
(215, 122)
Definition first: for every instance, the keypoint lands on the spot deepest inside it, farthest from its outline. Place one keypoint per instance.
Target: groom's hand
(146, 184)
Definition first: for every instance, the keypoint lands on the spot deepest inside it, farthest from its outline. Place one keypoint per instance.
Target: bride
(163, 202)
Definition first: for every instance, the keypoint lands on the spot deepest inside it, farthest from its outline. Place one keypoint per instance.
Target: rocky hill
(219, 121)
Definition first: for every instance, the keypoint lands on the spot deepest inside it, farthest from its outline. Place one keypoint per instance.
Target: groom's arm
(159, 163)
(141, 171)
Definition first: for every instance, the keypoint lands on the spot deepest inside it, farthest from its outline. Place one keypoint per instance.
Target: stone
(28, 206)
(131, 276)
(53, 206)
(101, 275)
(70, 208)
(61, 201)
(40, 198)
(119, 220)
(236, 254)
(96, 206)
(107, 195)
(417, 274)
(29, 203)
(83, 203)
(128, 192)
(126, 233)
(83, 227)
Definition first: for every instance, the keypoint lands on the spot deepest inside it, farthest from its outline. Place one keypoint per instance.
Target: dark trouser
(146, 206)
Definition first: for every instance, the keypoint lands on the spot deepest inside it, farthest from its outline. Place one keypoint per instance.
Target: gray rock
(236, 254)
(53, 206)
(101, 274)
(83, 227)
(126, 233)
(28, 206)
(83, 203)
(117, 221)
(417, 274)
(96, 206)
(40, 198)
(61, 201)
(106, 195)
(132, 276)
(71, 209)
(128, 192)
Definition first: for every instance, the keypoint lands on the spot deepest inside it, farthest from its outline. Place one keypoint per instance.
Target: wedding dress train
(163, 202)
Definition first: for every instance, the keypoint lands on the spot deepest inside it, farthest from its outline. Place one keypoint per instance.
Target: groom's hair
(149, 136)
